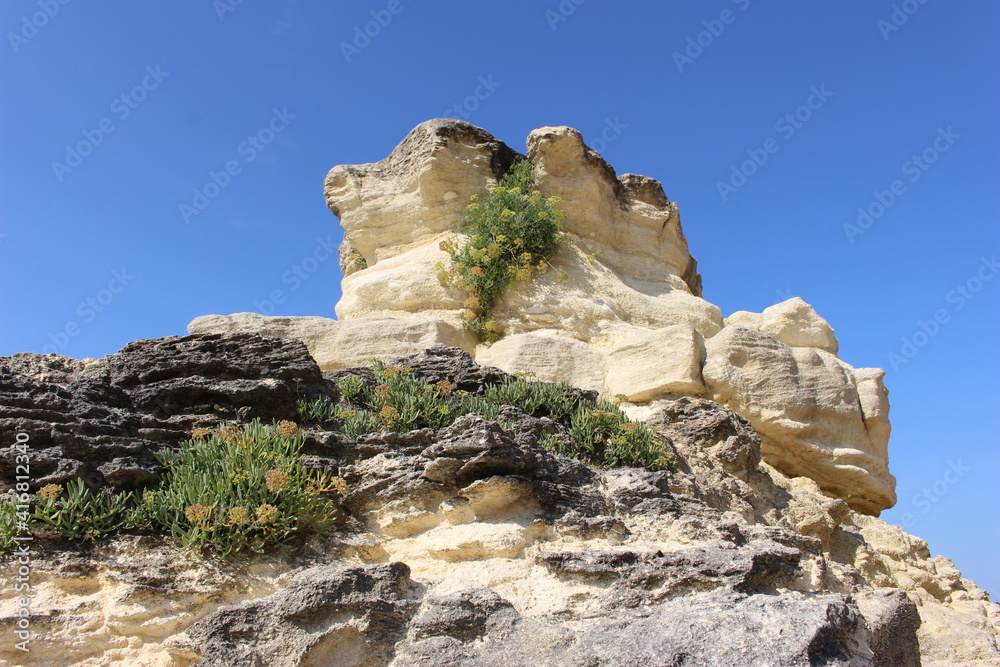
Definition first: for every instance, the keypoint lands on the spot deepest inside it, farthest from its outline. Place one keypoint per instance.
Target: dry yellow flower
(197, 513)
(267, 514)
(239, 516)
(276, 480)
(50, 492)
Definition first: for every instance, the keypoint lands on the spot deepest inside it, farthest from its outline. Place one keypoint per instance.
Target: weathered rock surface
(628, 320)
(473, 545)
(793, 322)
(103, 420)
(334, 344)
(806, 405)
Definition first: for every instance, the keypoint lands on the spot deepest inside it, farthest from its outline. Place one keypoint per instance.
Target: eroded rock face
(104, 420)
(628, 320)
(474, 545)
(806, 404)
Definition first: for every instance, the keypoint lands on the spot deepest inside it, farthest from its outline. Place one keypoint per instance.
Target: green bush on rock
(512, 234)
(227, 490)
(593, 431)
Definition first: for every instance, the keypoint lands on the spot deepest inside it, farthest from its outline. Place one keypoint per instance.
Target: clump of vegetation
(227, 490)
(399, 401)
(593, 431)
(239, 489)
(512, 233)
(8, 524)
(80, 514)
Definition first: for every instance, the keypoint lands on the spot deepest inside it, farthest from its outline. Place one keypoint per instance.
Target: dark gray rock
(452, 364)
(347, 615)
(469, 450)
(717, 456)
(720, 629)
(649, 578)
(893, 621)
(465, 616)
(104, 421)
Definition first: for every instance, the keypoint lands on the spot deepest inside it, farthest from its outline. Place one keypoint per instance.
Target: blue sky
(115, 113)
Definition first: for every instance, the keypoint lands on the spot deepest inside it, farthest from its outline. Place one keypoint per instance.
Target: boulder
(793, 322)
(805, 404)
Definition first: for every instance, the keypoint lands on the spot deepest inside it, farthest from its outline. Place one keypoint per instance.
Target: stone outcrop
(629, 319)
(473, 544)
(104, 420)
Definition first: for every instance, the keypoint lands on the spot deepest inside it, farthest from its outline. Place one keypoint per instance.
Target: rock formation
(471, 545)
(630, 320)
(475, 543)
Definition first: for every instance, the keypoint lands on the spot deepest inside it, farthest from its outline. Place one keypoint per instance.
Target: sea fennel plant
(512, 233)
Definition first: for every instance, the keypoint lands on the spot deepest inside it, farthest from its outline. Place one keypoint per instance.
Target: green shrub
(322, 410)
(601, 434)
(511, 235)
(350, 386)
(596, 431)
(551, 399)
(238, 489)
(81, 514)
(227, 490)
(8, 525)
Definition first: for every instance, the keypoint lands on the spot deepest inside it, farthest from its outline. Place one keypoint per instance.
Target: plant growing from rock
(512, 234)
(593, 431)
(226, 490)
(239, 489)
(80, 514)
(8, 524)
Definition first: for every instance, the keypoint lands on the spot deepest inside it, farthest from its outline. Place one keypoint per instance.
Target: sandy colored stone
(655, 363)
(804, 402)
(335, 344)
(793, 322)
(419, 191)
(404, 285)
(551, 358)
(628, 221)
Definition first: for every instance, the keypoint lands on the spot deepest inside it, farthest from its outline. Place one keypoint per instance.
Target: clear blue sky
(196, 86)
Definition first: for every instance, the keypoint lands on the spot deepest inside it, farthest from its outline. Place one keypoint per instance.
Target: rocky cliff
(628, 320)
(476, 543)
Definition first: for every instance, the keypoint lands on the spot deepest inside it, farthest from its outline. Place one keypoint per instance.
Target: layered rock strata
(630, 319)
(472, 544)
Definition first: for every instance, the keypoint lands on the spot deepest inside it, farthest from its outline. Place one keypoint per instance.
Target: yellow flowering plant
(512, 233)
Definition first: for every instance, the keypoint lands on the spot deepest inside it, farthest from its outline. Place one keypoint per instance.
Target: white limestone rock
(805, 404)
(348, 344)
(794, 322)
(552, 358)
(419, 191)
(656, 363)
